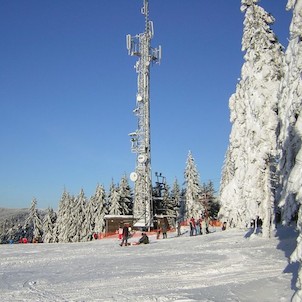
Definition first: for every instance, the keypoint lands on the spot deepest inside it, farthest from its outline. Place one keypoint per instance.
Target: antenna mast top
(145, 11)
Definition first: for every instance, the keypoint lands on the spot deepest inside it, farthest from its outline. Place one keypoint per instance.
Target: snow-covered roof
(163, 216)
(119, 216)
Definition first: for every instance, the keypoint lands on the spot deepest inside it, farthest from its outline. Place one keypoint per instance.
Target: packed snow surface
(219, 267)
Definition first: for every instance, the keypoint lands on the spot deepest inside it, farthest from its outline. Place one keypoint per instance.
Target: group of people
(199, 226)
(125, 235)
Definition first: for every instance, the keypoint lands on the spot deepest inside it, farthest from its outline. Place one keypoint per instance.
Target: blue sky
(68, 86)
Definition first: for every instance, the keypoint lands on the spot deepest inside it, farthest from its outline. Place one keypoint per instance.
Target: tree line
(78, 218)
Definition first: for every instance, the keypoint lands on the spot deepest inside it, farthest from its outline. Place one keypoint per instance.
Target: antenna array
(140, 46)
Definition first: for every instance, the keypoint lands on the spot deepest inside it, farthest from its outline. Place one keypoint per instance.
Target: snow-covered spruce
(290, 137)
(247, 188)
(192, 181)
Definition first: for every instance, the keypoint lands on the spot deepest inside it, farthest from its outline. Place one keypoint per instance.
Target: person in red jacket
(192, 226)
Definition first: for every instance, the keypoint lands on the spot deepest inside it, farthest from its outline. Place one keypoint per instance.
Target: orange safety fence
(215, 223)
(134, 234)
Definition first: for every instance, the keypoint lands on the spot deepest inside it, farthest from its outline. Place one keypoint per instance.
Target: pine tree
(114, 200)
(182, 205)
(290, 136)
(124, 190)
(176, 200)
(64, 219)
(100, 201)
(192, 182)
(91, 210)
(167, 202)
(33, 223)
(79, 231)
(208, 200)
(49, 225)
(247, 188)
(3, 231)
(290, 125)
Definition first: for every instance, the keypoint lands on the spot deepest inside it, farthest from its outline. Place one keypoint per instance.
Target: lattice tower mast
(140, 46)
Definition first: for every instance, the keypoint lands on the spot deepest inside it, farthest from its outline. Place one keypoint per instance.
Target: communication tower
(140, 46)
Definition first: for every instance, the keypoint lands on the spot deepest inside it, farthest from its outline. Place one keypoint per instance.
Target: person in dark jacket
(125, 235)
(144, 239)
(164, 231)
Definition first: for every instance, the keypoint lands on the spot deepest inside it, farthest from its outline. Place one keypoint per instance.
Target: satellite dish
(141, 158)
(133, 176)
(139, 98)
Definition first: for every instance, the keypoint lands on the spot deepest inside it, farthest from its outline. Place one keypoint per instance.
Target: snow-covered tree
(33, 223)
(291, 124)
(290, 137)
(48, 225)
(79, 229)
(171, 200)
(191, 175)
(99, 199)
(176, 200)
(64, 219)
(91, 210)
(182, 205)
(208, 200)
(125, 196)
(167, 201)
(247, 191)
(12, 231)
(3, 231)
(114, 200)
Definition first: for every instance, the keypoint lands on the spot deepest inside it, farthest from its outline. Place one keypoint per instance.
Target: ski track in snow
(217, 267)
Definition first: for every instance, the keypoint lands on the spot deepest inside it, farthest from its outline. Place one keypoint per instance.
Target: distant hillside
(16, 216)
(13, 215)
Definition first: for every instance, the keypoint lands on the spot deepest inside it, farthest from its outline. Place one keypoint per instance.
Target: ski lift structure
(158, 215)
(158, 193)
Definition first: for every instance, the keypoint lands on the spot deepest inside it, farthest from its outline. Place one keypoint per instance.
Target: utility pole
(140, 46)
